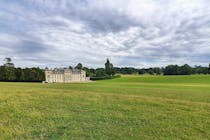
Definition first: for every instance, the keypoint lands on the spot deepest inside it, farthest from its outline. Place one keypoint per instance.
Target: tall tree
(109, 68)
(8, 62)
(209, 68)
(9, 70)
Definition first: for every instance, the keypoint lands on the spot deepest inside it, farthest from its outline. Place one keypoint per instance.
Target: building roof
(62, 70)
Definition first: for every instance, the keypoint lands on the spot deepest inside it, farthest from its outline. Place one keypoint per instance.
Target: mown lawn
(131, 107)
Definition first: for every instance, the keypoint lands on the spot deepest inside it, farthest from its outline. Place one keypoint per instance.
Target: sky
(131, 33)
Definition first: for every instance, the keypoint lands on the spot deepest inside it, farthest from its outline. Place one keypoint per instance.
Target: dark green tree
(109, 69)
(151, 72)
(142, 71)
(19, 74)
(185, 70)
(79, 66)
(3, 73)
(200, 70)
(171, 70)
(209, 68)
(157, 71)
(10, 73)
(100, 72)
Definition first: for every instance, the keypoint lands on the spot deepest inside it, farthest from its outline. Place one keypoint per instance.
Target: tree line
(8, 71)
(168, 70)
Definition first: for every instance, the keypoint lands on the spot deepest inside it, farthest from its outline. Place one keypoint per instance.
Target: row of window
(61, 78)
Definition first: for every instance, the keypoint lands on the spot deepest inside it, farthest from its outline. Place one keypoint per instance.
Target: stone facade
(65, 76)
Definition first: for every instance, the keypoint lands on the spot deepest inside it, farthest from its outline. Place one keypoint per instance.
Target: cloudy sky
(139, 33)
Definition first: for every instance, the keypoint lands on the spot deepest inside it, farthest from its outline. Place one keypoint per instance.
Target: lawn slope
(131, 107)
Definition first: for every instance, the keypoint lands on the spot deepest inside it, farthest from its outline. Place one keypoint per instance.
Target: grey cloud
(30, 47)
(96, 19)
(156, 33)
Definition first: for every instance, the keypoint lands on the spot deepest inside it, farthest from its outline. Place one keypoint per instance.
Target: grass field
(131, 107)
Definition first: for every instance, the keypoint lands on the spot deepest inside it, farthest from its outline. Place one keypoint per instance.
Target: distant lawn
(131, 107)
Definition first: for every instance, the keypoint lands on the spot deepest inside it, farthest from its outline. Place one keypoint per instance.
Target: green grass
(131, 107)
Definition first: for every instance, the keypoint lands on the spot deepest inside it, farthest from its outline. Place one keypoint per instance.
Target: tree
(89, 72)
(8, 62)
(109, 70)
(3, 73)
(10, 73)
(151, 72)
(185, 70)
(209, 68)
(9, 70)
(142, 71)
(19, 74)
(158, 71)
(79, 66)
(171, 70)
(200, 70)
(100, 72)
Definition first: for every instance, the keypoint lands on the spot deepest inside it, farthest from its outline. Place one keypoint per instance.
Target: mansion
(65, 75)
